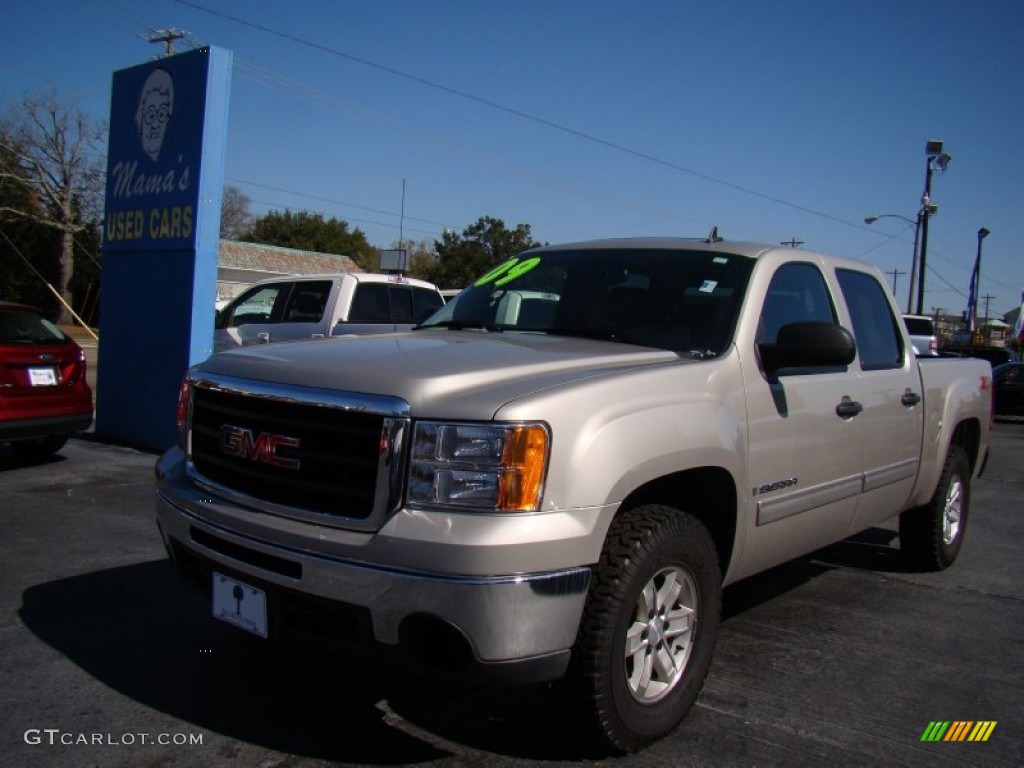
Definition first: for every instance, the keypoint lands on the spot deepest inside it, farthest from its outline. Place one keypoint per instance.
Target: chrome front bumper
(510, 621)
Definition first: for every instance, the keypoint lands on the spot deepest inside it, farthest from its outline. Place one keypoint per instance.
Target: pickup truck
(564, 496)
(317, 306)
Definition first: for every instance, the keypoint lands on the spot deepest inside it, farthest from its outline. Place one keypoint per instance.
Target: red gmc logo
(262, 448)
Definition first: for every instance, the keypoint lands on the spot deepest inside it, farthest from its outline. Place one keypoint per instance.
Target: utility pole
(166, 36)
(987, 297)
(793, 242)
(895, 276)
(937, 161)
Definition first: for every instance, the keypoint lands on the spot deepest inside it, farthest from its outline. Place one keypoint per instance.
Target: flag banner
(1018, 327)
(972, 301)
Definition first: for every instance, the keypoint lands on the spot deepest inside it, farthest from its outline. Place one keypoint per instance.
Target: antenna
(713, 237)
(401, 219)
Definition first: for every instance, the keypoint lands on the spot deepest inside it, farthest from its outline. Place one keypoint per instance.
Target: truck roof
(737, 247)
(364, 277)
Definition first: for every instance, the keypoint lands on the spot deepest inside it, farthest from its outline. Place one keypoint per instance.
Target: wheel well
(707, 493)
(968, 436)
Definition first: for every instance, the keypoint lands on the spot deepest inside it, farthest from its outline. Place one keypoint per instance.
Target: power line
(517, 113)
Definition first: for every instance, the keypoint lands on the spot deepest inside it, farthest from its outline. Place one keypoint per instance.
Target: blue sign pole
(165, 179)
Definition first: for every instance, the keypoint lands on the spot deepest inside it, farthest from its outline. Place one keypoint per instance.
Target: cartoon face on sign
(156, 105)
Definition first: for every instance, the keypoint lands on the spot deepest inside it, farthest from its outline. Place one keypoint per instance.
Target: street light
(913, 256)
(937, 160)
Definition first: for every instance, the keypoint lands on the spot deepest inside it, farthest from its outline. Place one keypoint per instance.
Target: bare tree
(56, 147)
(235, 217)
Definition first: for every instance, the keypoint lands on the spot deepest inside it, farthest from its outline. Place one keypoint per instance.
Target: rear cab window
(875, 327)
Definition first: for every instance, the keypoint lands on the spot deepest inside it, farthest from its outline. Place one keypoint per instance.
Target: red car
(44, 397)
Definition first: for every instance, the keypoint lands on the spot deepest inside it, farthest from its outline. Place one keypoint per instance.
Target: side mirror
(808, 345)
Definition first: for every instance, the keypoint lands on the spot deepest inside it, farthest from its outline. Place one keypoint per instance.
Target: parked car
(1008, 384)
(317, 306)
(921, 330)
(44, 397)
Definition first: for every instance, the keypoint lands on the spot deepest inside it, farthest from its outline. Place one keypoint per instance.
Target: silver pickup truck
(555, 475)
(293, 307)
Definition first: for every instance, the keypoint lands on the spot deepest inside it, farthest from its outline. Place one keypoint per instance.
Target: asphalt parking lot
(841, 658)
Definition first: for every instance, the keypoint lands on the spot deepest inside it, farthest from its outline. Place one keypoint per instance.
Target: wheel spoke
(647, 602)
(665, 665)
(636, 641)
(669, 592)
(680, 622)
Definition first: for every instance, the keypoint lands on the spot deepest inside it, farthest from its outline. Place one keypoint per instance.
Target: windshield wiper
(585, 333)
(465, 325)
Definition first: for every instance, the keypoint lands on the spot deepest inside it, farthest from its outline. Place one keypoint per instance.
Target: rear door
(889, 391)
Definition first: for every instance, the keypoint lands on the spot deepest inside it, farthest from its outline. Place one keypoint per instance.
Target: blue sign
(156, 133)
(165, 178)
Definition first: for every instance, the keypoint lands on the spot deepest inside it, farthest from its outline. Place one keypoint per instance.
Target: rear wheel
(649, 626)
(931, 535)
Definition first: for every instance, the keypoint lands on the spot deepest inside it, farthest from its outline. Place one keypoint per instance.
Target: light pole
(936, 160)
(976, 286)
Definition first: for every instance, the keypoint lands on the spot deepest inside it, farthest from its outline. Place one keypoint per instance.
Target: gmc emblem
(240, 442)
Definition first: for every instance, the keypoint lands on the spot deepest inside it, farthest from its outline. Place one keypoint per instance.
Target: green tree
(312, 232)
(481, 246)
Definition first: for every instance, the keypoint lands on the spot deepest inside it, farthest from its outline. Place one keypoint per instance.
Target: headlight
(488, 467)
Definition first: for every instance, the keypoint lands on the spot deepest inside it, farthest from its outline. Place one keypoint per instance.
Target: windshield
(684, 301)
(24, 327)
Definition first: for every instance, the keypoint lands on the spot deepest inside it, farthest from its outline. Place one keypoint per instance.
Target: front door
(804, 454)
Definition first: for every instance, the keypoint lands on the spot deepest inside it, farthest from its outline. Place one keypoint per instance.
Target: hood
(442, 373)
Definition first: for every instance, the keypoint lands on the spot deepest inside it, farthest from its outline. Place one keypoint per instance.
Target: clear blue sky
(592, 118)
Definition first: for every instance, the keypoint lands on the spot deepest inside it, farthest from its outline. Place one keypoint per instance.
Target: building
(239, 265)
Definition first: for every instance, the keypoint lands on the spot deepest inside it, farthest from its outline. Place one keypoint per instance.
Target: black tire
(931, 535)
(668, 557)
(40, 448)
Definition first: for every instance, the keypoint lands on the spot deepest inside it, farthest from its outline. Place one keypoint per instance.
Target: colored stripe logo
(959, 730)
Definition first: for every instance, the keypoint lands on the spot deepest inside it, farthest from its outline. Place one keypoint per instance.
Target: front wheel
(931, 535)
(648, 630)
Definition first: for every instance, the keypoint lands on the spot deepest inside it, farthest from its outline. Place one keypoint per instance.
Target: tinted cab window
(879, 342)
(390, 303)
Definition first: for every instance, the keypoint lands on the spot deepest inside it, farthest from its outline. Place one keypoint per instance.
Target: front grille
(328, 462)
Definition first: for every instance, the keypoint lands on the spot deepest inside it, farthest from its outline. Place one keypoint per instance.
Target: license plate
(240, 604)
(42, 377)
